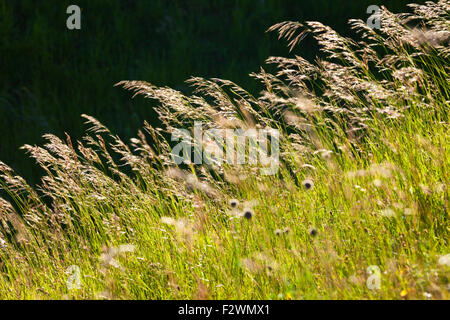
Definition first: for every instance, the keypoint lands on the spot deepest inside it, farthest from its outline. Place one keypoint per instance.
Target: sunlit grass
(363, 181)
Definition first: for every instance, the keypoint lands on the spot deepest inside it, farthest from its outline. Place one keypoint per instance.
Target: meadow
(357, 210)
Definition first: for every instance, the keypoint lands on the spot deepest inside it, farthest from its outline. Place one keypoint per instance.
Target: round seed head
(234, 203)
(312, 231)
(248, 214)
(308, 184)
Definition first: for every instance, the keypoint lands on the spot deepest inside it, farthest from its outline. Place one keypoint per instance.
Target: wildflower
(248, 213)
(403, 293)
(278, 232)
(286, 230)
(234, 203)
(312, 231)
(308, 184)
(444, 260)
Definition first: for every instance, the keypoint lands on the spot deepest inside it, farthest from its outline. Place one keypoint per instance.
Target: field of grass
(361, 192)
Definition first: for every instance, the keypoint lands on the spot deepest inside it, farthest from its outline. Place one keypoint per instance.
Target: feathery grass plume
(288, 30)
(96, 126)
(191, 181)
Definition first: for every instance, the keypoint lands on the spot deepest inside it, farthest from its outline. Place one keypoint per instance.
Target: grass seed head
(312, 232)
(308, 184)
(234, 203)
(248, 213)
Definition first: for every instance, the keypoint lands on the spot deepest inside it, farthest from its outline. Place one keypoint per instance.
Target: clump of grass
(364, 159)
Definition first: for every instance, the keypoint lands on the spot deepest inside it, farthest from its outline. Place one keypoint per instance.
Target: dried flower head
(308, 184)
(233, 203)
(248, 213)
(312, 232)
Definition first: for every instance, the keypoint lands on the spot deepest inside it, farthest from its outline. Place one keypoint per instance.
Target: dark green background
(49, 75)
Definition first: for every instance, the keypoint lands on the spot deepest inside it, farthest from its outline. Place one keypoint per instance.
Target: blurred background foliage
(50, 75)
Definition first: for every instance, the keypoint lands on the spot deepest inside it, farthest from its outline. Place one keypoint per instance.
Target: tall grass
(362, 182)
